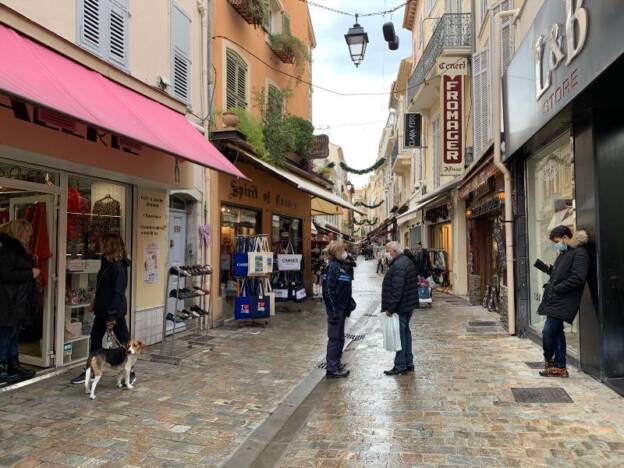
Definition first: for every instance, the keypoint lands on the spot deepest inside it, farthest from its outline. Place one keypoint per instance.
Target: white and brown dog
(118, 359)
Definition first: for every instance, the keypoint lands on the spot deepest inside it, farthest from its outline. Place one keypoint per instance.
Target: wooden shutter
(285, 23)
(118, 32)
(180, 53)
(236, 81)
(507, 39)
(90, 24)
(481, 102)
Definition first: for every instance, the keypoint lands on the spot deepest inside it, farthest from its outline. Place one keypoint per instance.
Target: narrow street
(457, 409)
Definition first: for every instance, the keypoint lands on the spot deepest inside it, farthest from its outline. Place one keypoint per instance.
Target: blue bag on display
(243, 303)
(261, 301)
(241, 258)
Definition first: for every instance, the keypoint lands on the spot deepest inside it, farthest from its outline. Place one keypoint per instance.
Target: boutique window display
(551, 203)
(94, 208)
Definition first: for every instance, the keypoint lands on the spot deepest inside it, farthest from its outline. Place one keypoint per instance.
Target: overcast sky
(332, 68)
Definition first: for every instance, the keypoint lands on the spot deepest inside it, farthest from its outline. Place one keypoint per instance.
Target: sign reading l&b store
(452, 71)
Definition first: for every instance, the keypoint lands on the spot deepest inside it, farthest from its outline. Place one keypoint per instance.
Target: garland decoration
(374, 167)
(365, 221)
(371, 207)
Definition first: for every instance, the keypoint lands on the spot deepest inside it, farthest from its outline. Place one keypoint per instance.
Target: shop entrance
(37, 204)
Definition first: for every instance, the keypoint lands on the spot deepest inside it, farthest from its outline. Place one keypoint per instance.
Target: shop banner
(413, 130)
(453, 71)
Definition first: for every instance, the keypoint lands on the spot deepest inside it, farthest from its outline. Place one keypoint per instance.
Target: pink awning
(41, 76)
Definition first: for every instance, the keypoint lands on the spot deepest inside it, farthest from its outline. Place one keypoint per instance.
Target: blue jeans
(404, 358)
(9, 351)
(554, 342)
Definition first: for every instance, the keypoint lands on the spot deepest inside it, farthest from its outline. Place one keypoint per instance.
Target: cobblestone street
(457, 409)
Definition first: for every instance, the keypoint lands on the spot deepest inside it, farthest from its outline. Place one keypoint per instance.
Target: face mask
(561, 246)
(388, 256)
(343, 256)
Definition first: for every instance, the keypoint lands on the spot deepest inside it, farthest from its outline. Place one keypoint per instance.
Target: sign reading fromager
(452, 71)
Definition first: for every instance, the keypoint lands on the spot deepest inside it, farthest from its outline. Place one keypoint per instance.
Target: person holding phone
(562, 295)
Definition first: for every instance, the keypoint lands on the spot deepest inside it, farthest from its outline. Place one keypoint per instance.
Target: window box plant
(288, 48)
(252, 11)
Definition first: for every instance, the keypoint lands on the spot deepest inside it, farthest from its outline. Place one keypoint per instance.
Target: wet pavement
(457, 409)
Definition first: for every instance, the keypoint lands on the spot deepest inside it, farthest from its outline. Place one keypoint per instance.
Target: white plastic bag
(391, 332)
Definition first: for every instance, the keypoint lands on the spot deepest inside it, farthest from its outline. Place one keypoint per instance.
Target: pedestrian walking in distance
(17, 283)
(380, 261)
(338, 304)
(110, 306)
(422, 261)
(562, 295)
(399, 295)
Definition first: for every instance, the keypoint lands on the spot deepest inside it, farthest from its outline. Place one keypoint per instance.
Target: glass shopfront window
(551, 203)
(234, 222)
(285, 230)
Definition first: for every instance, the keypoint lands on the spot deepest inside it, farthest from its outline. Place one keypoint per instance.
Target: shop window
(551, 203)
(103, 29)
(234, 222)
(286, 230)
(236, 81)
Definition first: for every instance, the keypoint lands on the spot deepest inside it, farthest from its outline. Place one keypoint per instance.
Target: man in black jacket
(399, 295)
(421, 259)
(562, 296)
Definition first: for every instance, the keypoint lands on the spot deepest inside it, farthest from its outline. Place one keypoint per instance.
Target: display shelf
(83, 272)
(79, 338)
(77, 306)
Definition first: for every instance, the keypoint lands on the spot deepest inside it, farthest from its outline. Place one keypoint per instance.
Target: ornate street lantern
(357, 40)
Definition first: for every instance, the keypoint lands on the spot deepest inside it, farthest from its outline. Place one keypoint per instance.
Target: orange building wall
(228, 23)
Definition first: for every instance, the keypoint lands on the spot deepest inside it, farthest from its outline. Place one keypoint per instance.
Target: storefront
(76, 169)
(273, 202)
(483, 192)
(564, 141)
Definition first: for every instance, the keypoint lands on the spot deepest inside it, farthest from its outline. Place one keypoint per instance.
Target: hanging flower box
(288, 48)
(285, 56)
(252, 11)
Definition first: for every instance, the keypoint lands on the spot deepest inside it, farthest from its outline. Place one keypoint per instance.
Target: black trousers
(335, 342)
(98, 330)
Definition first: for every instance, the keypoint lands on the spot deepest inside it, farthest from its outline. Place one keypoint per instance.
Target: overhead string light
(364, 15)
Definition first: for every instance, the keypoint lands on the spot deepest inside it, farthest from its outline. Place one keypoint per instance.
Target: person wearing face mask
(339, 304)
(562, 296)
(17, 282)
(399, 295)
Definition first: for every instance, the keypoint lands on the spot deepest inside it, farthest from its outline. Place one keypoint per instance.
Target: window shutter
(181, 52)
(285, 24)
(268, 14)
(476, 103)
(236, 81)
(118, 32)
(90, 16)
(481, 103)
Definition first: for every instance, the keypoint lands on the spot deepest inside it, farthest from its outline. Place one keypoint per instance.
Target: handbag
(243, 303)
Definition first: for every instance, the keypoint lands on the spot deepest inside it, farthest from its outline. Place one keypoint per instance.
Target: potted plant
(252, 11)
(288, 48)
(230, 119)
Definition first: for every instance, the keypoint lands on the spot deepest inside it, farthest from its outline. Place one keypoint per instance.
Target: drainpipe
(496, 133)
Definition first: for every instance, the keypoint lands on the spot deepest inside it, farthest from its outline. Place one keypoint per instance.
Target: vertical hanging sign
(452, 83)
(413, 125)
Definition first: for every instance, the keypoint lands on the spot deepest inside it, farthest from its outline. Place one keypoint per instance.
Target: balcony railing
(452, 30)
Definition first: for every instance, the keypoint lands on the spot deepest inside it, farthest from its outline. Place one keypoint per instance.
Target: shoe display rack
(187, 304)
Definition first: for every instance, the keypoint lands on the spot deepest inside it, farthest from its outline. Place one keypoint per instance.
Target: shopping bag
(391, 332)
(299, 293)
(262, 302)
(281, 288)
(271, 295)
(267, 255)
(432, 283)
(289, 262)
(241, 258)
(110, 341)
(424, 294)
(243, 304)
(255, 260)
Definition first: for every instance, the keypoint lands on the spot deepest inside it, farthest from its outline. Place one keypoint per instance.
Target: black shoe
(341, 374)
(410, 369)
(342, 367)
(7, 377)
(394, 371)
(23, 373)
(79, 379)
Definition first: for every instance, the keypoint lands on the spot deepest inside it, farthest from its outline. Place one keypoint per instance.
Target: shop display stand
(168, 351)
(254, 321)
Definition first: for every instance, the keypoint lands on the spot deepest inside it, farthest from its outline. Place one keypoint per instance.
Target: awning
(36, 74)
(323, 201)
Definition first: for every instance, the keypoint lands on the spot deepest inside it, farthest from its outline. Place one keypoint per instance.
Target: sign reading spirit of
(453, 71)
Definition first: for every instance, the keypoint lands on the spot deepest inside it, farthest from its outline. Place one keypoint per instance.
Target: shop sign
(66, 125)
(242, 191)
(413, 130)
(480, 179)
(452, 90)
(321, 147)
(562, 53)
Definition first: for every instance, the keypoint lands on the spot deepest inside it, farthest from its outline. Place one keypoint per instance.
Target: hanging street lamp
(357, 40)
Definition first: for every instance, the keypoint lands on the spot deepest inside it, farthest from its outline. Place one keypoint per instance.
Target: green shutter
(285, 24)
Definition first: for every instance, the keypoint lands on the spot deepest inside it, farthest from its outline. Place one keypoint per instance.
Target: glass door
(25, 200)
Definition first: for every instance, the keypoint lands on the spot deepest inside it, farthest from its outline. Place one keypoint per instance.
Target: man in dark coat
(399, 295)
(421, 259)
(562, 296)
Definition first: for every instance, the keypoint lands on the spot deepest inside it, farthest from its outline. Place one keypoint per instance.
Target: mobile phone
(541, 266)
